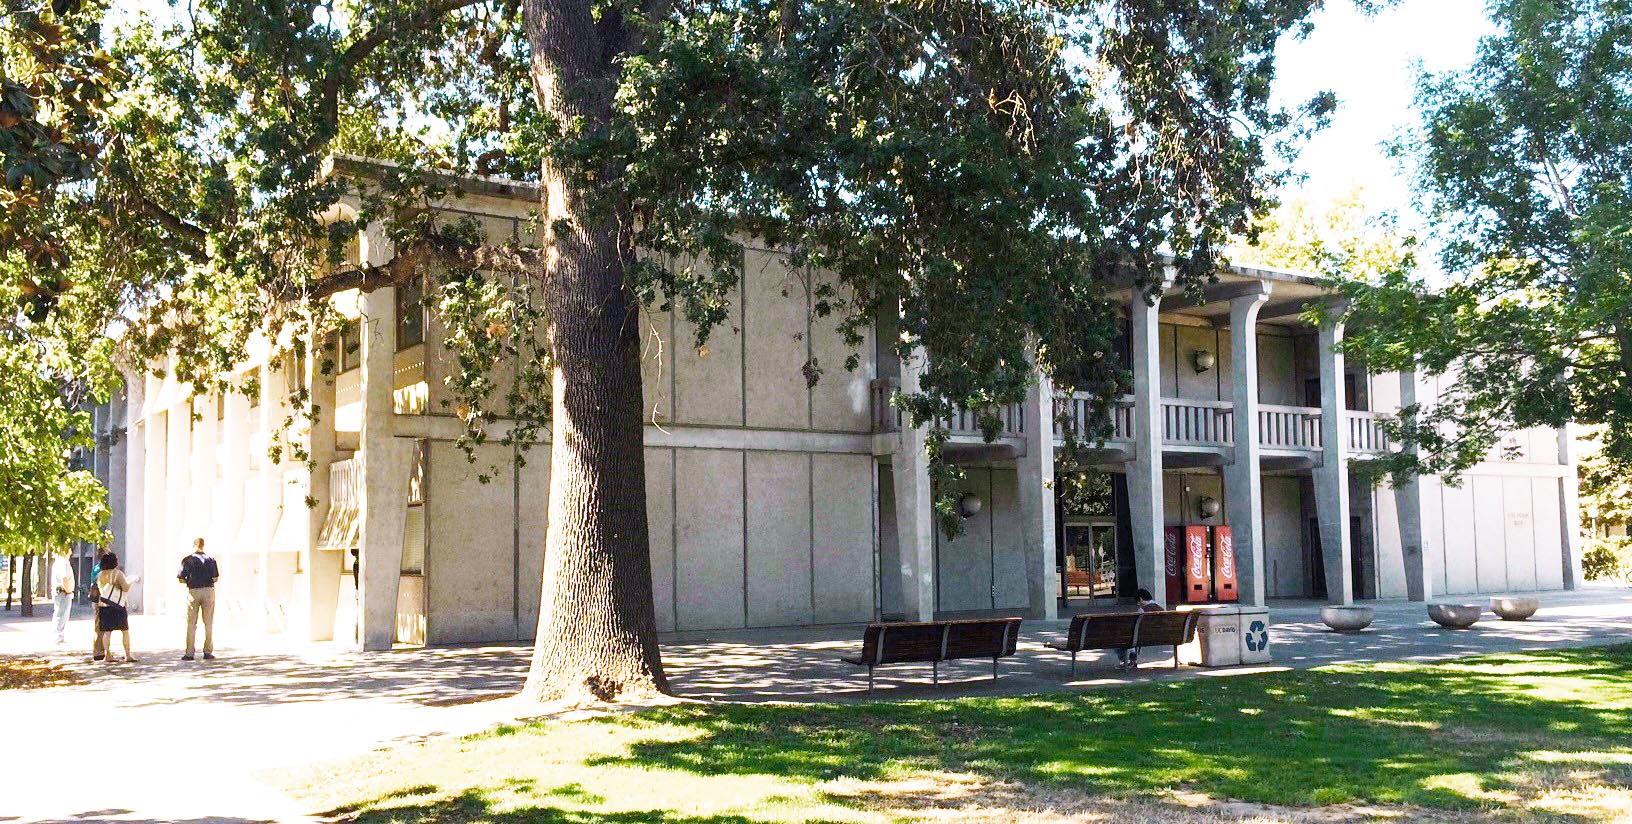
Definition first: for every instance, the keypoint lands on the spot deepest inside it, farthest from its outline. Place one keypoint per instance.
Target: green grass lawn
(1531, 736)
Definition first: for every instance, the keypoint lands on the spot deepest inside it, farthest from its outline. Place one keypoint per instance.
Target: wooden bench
(931, 642)
(1128, 630)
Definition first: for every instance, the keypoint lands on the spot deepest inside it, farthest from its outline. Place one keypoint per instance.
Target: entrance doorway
(1090, 568)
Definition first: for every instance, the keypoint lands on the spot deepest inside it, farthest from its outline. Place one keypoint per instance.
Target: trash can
(1218, 636)
(1254, 635)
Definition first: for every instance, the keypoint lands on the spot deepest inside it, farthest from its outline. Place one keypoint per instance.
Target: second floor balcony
(1199, 430)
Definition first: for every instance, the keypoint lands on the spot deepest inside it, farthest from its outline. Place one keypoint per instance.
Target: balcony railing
(963, 422)
(1197, 423)
(1184, 422)
(1365, 435)
(1288, 427)
(1077, 409)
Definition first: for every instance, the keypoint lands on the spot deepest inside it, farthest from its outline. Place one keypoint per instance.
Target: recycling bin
(1218, 636)
(1254, 634)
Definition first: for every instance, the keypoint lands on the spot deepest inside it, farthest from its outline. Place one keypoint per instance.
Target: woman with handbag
(113, 590)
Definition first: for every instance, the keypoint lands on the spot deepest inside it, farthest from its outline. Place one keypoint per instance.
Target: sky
(1370, 63)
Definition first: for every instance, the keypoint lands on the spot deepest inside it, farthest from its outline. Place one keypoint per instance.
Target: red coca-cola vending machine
(1173, 564)
(1200, 564)
(1224, 588)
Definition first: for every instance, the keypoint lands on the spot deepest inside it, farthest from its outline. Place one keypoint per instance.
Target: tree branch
(328, 105)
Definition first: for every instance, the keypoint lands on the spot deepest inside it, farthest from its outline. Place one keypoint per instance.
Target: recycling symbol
(1257, 636)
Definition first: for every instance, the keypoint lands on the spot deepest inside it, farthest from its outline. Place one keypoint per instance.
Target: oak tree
(978, 176)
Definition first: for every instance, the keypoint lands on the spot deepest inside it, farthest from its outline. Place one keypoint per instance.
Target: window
(410, 315)
(351, 346)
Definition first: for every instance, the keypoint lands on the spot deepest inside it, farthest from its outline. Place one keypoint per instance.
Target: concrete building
(776, 503)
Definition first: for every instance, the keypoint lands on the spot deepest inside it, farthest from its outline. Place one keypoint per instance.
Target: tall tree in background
(979, 173)
(54, 356)
(1524, 166)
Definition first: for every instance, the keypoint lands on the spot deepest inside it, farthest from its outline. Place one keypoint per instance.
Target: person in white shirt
(62, 596)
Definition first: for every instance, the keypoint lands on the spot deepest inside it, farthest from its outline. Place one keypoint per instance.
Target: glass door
(1090, 559)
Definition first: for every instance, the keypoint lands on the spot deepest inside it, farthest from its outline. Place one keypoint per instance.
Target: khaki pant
(201, 600)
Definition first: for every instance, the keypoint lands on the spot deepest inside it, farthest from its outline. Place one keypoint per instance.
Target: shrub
(1607, 559)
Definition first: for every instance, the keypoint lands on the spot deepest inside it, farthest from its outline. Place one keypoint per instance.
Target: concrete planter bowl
(1347, 618)
(1514, 609)
(1455, 616)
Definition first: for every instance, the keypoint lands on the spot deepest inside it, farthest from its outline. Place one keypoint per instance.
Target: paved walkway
(185, 740)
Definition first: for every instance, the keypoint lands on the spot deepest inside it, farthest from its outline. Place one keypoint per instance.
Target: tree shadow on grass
(1299, 738)
(475, 805)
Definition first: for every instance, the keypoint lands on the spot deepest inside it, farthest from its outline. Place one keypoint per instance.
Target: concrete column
(1036, 475)
(914, 510)
(202, 513)
(384, 501)
(133, 485)
(1243, 486)
(1145, 503)
(1332, 476)
(177, 466)
(321, 571)
(1569, 504)
(1408, 503)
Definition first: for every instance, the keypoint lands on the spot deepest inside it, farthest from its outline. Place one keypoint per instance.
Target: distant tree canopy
(1524, 168)
(983, 174)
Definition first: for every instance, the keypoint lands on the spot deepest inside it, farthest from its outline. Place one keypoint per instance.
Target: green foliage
(1608, 559)
(1524, 164)
(45, 504)
(1606, 488)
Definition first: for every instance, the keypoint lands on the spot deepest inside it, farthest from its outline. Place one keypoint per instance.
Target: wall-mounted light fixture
(1207, 506)
(969, 505)
(1203, 360)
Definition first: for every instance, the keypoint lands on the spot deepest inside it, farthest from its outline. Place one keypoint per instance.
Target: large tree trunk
(597, 634)
(28, 586)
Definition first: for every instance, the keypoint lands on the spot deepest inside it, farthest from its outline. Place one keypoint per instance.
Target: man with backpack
(199, 573)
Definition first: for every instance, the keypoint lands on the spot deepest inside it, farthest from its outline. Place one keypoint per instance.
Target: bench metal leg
(994, 668)
(1073, 665)
(935, 673)
(869, 680)
(1175, 656)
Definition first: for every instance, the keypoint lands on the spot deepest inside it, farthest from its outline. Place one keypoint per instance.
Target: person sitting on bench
(1129, 656)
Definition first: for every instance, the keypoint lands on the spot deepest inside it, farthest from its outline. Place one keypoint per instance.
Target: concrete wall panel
(533, 516)
(1191, 384)
(776, 342)
(1521, 534)
(1168, 350)
(1283, 538)
(1390, 550)
(1549, 535)
(1461, 557)
(660, 526)
(841, 400)
(657, 364)
(778, 539)
(708, 380)
(1277, 372)
(1433, 531)
(708, 539)
(1489, 528)
(469, 548)
(889, 552)
(1008, 552)
(842, 538)
(964, 564)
